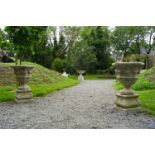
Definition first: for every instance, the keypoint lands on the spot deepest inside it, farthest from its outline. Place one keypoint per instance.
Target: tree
(58, 64)
(122, 38)
(24, 39)
(139, 33)
(44, 51)
(59, 46)
(133, 40)
(149, 40)
(71, 35)
(81, 57)
(98, 38)
(4, 42)
(149, 43)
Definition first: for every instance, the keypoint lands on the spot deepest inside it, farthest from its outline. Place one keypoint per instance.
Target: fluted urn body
(127, 74)
(23, 74)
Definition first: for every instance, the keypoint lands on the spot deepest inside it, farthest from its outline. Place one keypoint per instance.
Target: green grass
(147, 98)
(93, 76)
(41, 90)
(7, 93)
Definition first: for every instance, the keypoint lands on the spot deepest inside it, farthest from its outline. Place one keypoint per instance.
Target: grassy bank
(42, 82)
(7, 93)
(40, 74)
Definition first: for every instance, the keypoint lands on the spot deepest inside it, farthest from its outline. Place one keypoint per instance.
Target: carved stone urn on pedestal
(127, 74)
(80, 77)
(23, 74)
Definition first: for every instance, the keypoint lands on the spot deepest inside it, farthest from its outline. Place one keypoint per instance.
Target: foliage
(127, 40)
(44, 50)
(149, 41)
(81, 57)
(122, 38)
(41, 44)
(24, 38)
(98, 38)
(4, 42)
(58, 64)
(136, 57)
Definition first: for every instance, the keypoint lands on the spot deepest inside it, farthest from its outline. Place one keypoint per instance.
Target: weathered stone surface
(23, 74)
(127, 74)
(24, 95)
(127, 101)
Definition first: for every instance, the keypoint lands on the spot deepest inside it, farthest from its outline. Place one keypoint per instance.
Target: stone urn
(127, 74)
(81, 77)
(23, 74)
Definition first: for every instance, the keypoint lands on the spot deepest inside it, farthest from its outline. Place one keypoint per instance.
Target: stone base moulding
(127, 101)
(24, 94)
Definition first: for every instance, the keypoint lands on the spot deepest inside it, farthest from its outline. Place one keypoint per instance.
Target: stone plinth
(81, 77)
(127, 101)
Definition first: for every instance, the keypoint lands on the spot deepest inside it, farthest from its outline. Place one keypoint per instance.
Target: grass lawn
(147, 98)
(7, 93)
(93, 76)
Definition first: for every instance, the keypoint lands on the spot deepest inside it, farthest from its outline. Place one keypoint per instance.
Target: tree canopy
(91, 47)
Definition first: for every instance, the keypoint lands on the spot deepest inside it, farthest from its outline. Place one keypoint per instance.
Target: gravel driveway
(89, 105)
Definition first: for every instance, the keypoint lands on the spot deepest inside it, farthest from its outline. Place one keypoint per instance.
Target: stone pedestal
(127, 74)
(81, 77)
(127, 101)
(24, 94)
(23, 74)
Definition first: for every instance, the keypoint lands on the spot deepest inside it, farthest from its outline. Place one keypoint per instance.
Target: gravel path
(89, 105)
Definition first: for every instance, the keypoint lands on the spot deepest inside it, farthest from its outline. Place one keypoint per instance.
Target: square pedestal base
(127, 101)
(24, 95)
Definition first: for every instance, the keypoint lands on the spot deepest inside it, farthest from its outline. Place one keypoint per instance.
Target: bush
(58, 64)
(110, 70)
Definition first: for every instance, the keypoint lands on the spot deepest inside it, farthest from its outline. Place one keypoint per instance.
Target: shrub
(58, 64)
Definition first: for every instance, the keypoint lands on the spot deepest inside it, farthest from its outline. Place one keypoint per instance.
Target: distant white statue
(64, 74)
